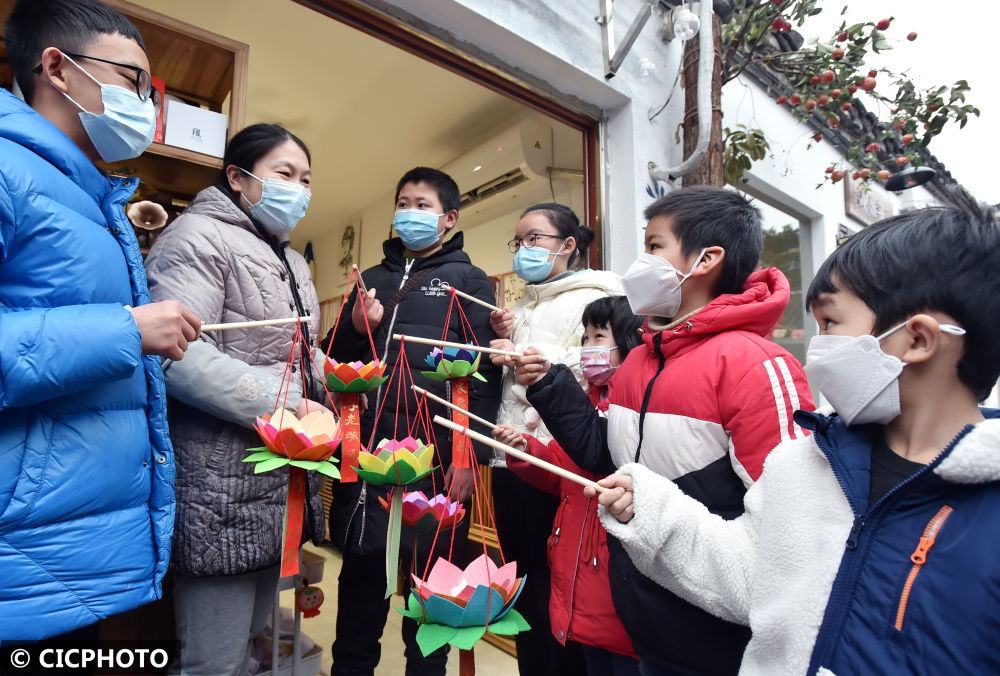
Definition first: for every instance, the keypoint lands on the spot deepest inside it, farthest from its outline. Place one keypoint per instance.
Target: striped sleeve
(757, 413)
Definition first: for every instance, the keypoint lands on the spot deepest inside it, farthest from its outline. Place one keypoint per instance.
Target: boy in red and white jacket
(702, 403)
(580, 606)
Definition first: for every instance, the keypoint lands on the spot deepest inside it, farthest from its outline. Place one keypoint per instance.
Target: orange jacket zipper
(919, 558)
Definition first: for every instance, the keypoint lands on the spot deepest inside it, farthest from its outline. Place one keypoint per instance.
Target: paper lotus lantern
(396, 463)
(354, 377)
(459, 598)
(453, 362)
(300, 444)
(423, 514)
(458, 606)
(307, 443)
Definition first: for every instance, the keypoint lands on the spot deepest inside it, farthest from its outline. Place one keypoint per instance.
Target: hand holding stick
(521, 455)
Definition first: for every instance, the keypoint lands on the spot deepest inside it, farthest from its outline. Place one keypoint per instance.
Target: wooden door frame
(399, 35)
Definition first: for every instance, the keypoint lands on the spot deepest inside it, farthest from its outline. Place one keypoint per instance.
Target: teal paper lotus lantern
(453, 362)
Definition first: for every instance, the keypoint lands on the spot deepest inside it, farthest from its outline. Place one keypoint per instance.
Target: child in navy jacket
(870, 546)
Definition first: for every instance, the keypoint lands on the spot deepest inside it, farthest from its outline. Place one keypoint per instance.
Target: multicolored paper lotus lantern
(423, 514)
(354, 377)
(458, 606)
(396, 463)
(453, 362)
(307, 443)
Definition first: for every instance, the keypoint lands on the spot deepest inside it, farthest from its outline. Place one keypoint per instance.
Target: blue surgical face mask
(281, 206)
(126, 127)
(417, 228)
(532, 264)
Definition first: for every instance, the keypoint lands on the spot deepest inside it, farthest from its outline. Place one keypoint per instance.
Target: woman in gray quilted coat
(227, 258)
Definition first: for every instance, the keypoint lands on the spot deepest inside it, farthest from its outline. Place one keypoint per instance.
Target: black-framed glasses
(144, 88)
(531, 240)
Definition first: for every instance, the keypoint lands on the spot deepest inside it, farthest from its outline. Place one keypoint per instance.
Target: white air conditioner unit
(505, 174)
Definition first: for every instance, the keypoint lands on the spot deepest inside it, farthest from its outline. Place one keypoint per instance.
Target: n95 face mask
(857, 377)
(653, 285)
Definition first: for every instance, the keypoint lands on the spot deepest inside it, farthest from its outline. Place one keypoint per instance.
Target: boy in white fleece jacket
(868, 547)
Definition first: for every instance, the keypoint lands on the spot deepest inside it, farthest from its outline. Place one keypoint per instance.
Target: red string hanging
(351, 401)
(295, 500)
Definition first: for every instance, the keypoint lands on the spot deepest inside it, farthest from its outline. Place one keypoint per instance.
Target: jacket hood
(974, 459)
(451, 251)
(757, 309)
(604, 281)
(20, 124)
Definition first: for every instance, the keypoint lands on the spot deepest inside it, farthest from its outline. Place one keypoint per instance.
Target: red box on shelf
(160, 86)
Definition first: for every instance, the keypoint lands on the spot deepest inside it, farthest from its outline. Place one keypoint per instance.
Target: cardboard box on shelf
(194, 128)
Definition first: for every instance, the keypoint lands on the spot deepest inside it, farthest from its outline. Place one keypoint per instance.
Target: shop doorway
(373, 100)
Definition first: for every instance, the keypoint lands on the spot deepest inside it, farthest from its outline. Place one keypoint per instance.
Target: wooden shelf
(197, 65)
(6, 74)
(172, 171)
(176, 153)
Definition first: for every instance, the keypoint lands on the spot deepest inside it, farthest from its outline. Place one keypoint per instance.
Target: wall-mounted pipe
(613, 61)
(706, 63)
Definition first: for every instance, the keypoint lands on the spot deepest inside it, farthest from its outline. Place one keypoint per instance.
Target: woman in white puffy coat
(549, 244)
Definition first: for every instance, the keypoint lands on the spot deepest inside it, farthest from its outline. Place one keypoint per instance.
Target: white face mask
(653, 285)
(126, 127)
(859, 380)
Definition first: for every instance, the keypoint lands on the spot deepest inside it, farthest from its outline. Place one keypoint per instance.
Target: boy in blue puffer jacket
(86, 466)
(870, 546)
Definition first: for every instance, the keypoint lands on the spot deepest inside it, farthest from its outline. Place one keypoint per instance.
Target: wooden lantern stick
(521, 455)
(445, 402)
(361, 282)
(478, 301)
(461, 346)
(252, 325)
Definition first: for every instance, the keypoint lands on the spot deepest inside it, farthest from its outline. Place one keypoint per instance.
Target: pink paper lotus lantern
(423, 514)
(480, 594)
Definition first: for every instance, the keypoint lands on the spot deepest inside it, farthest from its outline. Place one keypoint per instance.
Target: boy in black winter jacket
(417, 263)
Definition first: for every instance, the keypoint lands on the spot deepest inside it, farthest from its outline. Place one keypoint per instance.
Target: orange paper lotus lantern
(307, 443)
(301, 445)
